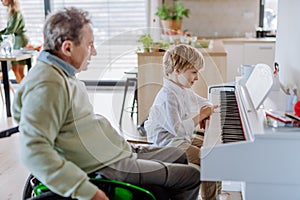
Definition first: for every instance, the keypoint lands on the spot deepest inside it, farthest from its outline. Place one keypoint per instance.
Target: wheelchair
(115, 190)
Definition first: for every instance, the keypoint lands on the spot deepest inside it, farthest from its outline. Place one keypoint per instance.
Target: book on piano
(278, 116)
(278, 119)
(293, 116)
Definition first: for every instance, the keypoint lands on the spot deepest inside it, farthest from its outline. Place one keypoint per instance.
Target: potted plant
(147, 41)
(171, 17)
(160, 46)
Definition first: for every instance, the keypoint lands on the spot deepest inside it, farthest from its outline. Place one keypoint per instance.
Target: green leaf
(175, 12)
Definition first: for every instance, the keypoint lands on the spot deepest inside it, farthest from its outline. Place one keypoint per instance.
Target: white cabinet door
(247, 53)
(255, 53)
(235, 57)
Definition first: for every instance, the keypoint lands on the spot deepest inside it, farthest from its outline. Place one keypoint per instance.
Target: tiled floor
(106, 102)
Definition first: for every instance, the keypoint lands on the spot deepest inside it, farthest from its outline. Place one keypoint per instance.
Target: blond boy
(177, 110)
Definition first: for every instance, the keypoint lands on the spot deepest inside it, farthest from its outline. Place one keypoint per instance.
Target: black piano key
(232, 128)
(230, 140)
(239, 136)
(231, 134)
(233, 138)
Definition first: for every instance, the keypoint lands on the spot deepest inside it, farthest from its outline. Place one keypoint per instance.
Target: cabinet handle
(265, 47)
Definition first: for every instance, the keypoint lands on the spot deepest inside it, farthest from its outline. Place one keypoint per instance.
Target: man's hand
(100, 195)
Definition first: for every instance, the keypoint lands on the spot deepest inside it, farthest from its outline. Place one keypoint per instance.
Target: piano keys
(232, 129)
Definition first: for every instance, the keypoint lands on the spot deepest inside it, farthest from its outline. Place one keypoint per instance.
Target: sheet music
(259, 84)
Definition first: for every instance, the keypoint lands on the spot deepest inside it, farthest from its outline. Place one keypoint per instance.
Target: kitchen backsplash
(221, 18)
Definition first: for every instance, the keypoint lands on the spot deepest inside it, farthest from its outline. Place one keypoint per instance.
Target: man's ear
(66, 47)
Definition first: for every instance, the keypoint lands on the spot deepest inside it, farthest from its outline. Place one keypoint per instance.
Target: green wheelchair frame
(115, 190)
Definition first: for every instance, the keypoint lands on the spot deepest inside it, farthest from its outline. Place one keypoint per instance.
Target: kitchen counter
(215, 48)
(250, 40)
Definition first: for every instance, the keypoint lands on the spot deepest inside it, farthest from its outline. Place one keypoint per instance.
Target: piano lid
(259, 84)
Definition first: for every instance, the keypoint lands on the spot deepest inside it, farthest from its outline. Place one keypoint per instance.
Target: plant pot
(171, 27)
(154, 48)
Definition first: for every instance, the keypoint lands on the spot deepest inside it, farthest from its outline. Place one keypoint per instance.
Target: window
(117, 26)
(34, 18)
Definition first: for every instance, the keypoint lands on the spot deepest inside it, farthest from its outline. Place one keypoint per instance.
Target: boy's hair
(182, 57)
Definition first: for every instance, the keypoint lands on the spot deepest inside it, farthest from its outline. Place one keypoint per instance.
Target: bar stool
(128, 81)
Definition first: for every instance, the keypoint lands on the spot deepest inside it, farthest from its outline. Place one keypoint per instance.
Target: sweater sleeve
(42, 113)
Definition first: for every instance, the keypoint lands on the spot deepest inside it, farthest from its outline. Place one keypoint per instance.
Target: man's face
(81, 54)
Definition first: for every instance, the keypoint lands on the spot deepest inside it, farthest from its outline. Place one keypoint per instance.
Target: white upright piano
(239, 146)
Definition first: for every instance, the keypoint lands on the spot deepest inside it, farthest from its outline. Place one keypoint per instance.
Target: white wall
(219, 18)
(287, 52)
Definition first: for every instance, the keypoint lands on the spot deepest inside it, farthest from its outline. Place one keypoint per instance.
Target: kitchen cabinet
(259, 53)
(248, 52)
(150, 75)
(235, 57)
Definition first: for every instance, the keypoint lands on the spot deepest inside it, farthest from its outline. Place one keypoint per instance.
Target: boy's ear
(176, 70)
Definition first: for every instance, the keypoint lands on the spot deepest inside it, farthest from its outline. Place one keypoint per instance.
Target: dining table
(17, 55)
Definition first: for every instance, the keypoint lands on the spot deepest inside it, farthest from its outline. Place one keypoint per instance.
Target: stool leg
(134, 103)
(123, 103)
(1, 93)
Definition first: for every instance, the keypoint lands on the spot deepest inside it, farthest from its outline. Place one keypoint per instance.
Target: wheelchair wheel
(27, 191)
(50, 196)
(115, 190)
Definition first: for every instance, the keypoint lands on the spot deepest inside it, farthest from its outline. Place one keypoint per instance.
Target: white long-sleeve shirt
(170, 120)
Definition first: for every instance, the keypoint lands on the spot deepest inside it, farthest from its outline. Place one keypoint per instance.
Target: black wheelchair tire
(27, 191)
(50, 196)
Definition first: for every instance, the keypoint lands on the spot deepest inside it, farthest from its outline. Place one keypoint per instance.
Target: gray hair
(65, 24)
